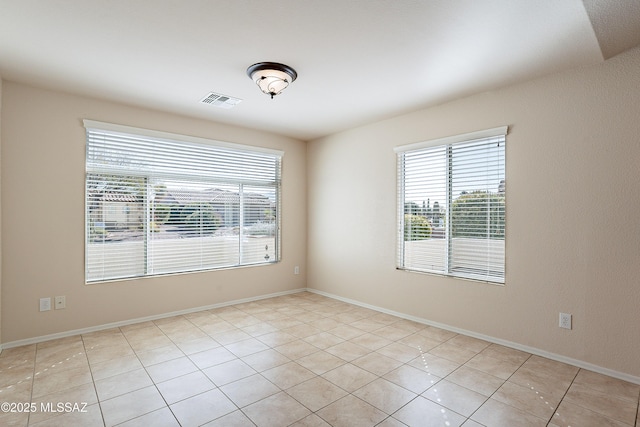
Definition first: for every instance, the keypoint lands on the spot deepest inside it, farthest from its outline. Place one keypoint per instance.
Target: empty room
(330, 213)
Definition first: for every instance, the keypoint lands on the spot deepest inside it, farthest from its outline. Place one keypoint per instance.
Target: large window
(451, 206)
(160, 203)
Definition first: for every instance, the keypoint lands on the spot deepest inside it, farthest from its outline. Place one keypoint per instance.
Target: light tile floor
(299, 360)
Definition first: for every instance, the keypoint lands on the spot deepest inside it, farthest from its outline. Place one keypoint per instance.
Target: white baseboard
(553, 356)
(65, 334)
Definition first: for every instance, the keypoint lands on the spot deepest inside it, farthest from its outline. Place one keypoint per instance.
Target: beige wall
(573, 234)
(43, 148)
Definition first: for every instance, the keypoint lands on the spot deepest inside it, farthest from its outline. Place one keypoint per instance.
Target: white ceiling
(357, 60)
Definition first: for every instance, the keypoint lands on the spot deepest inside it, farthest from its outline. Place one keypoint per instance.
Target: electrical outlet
(45, 304)
(565, 320)
(60, 302)
(296, 270)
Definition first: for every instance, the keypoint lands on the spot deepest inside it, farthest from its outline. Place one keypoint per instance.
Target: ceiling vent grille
(220, 101)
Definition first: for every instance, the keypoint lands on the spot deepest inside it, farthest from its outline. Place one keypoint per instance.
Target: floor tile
(553, 368)
(296, 349)
(376, 363)
(159, 355)
(228, 372)
(246, 347)
(17, 419)
(457, 398)
(159, 418)
(349, 377)
(527, 399)
(202, 408)
(507, 354)
(171, 369)
(351, 412)
(409, 325)
(368, 325)
(607, 385)
(543, 382)
(497, 414)
(475, 380)
(320, 362)
(17, 392)
(115, 366)
(412, 378)
(90, 416)
(316, 393)
(385, 395)
(392, 333)
(311, 421)
(391, 422)
(284, 322)
(399, 351)
(123, 383)
(302, 331)
(277, 338)
(323, 340)
(82, 396)
(496, 367)
(434, 365)
(266, 360)
(259, 329)
(325, 324)
(214, 356)
(277, 410)
(438, 334)
(234, 419)
(474, 344)
(603, 403)
(348, 351)
(288, 375)
(249, 390)
(346, 332)
(184, 387)
(197, 345)
(142, 334)
(371, 341)
(103, 354)
(230, 336)
(455, 353)
(420, 342)
(55, 380)
(187, 334)
(425, 413)
(131, 405)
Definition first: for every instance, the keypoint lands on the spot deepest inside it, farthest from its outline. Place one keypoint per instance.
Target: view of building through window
(144, 219)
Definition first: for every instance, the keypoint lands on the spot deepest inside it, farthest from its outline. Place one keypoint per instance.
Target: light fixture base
(272, 77)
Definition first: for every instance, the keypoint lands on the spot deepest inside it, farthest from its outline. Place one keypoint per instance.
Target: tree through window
(452, 206)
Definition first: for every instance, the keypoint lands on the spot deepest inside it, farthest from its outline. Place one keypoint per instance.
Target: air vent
(220, 101)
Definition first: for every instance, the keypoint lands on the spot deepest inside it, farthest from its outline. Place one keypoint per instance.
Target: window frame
(489, 135)
(148, 176)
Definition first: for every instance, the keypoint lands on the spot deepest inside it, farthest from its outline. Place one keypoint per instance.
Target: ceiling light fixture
(271, 77)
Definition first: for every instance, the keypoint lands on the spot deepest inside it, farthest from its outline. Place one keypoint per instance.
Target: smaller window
(451, 206)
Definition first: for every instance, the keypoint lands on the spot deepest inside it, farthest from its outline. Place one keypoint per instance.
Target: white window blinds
(451, 206)
(159, 203)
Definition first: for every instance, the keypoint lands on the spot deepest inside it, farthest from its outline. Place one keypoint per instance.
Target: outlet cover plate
(60, 302)
(45, 304)
(565, 321)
